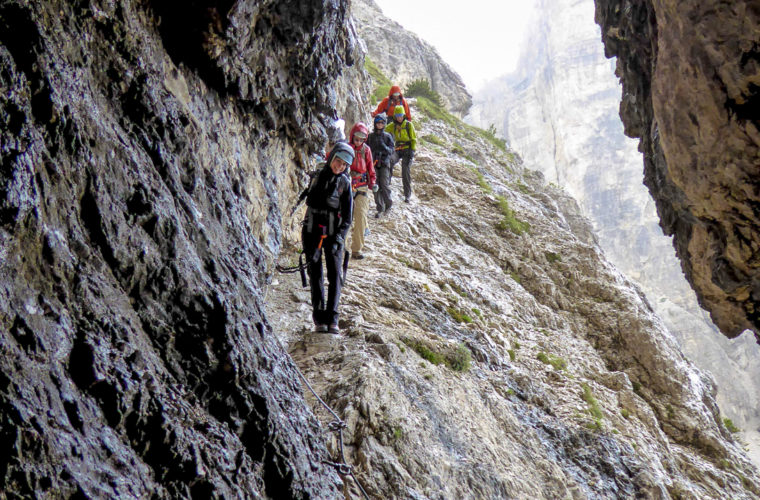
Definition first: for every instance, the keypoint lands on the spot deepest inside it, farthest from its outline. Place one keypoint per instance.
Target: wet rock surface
(574, 388)
(147, 150)
(690, 76)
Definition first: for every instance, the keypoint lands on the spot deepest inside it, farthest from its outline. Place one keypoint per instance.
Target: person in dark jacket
(381, 143)
(329, 212)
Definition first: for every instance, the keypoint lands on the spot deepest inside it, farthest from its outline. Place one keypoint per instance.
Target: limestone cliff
(148, 151)
(151, 153)
(407, 57)
(560, 111)
(691, 78)
(489, 350)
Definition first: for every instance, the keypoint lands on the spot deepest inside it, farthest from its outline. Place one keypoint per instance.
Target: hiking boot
(357, 256)
(406, 200)
(333, 328)
(320, 328)
(378, 214)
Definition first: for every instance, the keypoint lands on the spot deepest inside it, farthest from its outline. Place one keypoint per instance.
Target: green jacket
(403, 134)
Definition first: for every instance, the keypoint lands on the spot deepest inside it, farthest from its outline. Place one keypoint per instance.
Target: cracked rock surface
(575, 388)
(691, 93)
(146, 152)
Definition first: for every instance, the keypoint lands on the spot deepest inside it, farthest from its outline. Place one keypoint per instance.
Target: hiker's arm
(390, 144)
(346, 209)
(380, 107)
(370, 168)
(412, 137)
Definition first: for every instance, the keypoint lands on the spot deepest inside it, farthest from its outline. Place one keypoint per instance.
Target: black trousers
(323, 313)
(383, 199)
(407, 157)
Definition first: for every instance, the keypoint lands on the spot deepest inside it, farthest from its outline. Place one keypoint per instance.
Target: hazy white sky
(478, 38)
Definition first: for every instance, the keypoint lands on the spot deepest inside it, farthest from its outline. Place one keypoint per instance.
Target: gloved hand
(337, 246)
(375, 188)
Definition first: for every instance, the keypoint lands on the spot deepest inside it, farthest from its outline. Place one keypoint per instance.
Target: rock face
(690, 75)
(488, 350)
(150, 155)
(407, 57)
(560, 111)
(148, 152)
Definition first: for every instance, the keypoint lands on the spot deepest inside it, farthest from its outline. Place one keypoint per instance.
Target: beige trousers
(361, 207)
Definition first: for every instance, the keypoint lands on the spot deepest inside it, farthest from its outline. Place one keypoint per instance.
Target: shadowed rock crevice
(189, 29)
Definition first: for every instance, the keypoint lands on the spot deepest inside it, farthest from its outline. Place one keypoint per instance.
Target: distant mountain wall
(559, 110)
(404, 57)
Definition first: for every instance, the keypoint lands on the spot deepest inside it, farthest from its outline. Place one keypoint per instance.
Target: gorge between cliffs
(151, 155)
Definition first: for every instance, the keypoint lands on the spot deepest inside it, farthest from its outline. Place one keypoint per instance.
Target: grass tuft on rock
(458, 359)
(382, 82)
(553, 257)
(509, 221)
(557, 362)
(593, 405)
(730, 425)
(458, 316)
(433, 139)
(421, 88)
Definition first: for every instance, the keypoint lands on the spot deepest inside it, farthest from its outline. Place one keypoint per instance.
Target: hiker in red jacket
(362, 181)
(389, 104)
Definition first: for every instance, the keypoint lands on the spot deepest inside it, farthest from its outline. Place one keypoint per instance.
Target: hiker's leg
(384, 185)
(406, 172)
(314, 260)
(379, 201)
(361, 206)
(334, 269)
(395, 157)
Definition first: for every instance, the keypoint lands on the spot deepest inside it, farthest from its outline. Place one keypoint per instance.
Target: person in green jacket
(403, 133)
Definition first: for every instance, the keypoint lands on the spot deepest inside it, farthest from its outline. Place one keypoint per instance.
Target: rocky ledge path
(488, 350)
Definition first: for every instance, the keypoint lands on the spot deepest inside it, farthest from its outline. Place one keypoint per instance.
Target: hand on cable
(337, 247)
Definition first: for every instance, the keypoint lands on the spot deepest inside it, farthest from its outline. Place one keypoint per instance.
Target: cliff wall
(148, 152)
(690, 78)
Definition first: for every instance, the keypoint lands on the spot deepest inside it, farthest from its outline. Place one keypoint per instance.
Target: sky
(479, 39)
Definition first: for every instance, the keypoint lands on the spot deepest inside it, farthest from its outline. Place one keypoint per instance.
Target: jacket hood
(393, 90)
(359, 127)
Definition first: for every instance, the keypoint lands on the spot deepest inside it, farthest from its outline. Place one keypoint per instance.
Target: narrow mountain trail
(488, 350)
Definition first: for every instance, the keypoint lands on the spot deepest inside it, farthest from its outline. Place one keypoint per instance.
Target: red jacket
(389, 103)
(362, 160)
